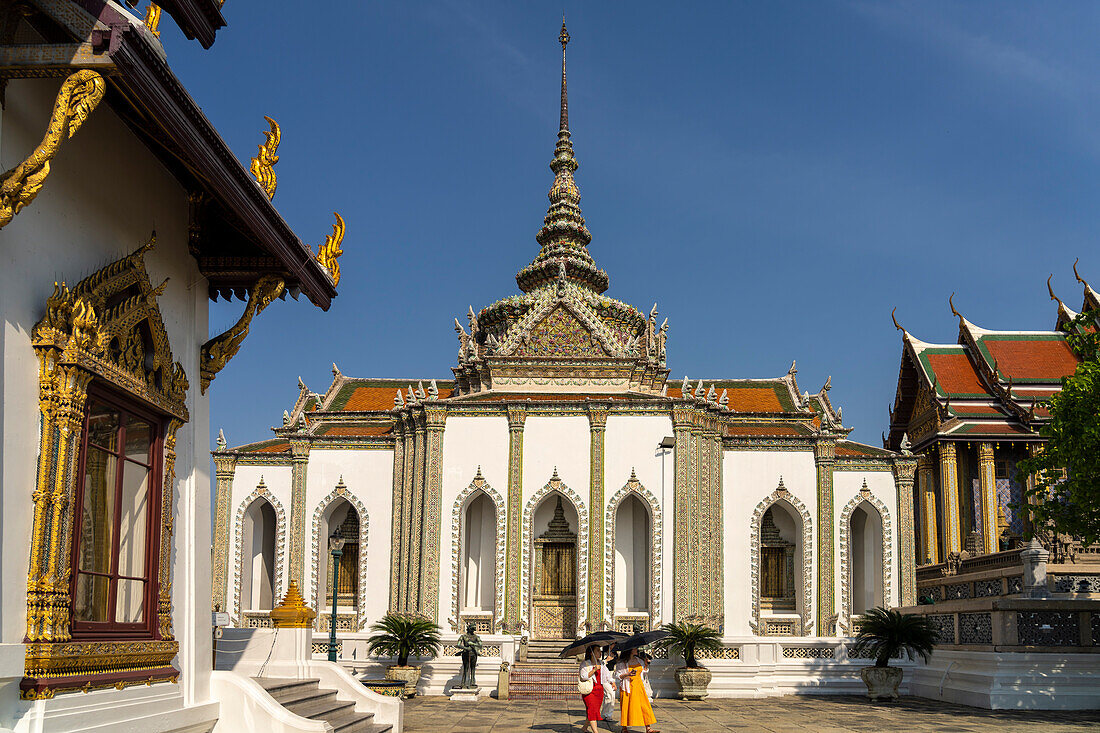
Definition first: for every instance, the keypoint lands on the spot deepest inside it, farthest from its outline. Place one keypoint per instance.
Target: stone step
(308, 699)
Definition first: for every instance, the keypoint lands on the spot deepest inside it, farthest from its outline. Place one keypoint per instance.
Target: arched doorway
(258, 557)
(633, 539)
(477, 592)
(342, 518)
(554, 607)
(865, 528)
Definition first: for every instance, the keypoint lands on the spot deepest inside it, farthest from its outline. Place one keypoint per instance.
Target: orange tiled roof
(781, 430)
(355, 431)
(275, 446)
(744, 399)
(372, 397)
(858, 450)
(965, 409)
(955, 374)
(1031, 359)
(993, 429)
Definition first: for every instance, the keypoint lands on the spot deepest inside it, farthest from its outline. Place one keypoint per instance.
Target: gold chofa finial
(893, 315)
(329, 252)
(152, 19)
(263, 165)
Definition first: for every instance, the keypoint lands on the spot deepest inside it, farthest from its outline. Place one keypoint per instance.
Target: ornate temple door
(554, 595)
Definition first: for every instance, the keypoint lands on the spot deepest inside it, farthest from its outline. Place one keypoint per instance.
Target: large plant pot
(693, 682)
(881, 681)
(409, 675)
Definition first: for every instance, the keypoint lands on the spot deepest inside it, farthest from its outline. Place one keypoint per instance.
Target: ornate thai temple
(558, 481)
(970, 411)
(1019, 621)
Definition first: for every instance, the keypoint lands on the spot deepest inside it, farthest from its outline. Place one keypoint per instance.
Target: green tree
(404, 636)
(886, 634)
(685, 638)
(1066, 491)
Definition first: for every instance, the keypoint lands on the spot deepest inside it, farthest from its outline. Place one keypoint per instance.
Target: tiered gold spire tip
(563, 237)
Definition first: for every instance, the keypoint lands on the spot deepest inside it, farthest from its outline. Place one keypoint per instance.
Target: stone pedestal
(464, 694)
(1034, 558)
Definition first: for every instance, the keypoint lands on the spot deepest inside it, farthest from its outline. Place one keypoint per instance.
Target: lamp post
(336, 547)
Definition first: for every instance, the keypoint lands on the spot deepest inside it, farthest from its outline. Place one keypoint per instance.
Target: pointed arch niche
(478, 527)
(340, 509)
(632, 557)
(546, 529)
(866, 554)
(255, 581)
(781, 526)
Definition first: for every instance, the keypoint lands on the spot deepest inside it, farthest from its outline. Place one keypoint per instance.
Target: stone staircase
(544, 676)
(309, 700)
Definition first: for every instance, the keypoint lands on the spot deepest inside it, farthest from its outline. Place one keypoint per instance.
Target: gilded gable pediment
(560, 334)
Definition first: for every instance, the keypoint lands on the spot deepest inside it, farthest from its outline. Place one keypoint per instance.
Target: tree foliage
(886, 634)
(401, 636)
(686, 638)
(1065, 494)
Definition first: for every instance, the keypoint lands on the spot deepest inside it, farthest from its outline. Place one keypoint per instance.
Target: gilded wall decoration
(458, 542)
(555, 485)
(107, 328)
(633, 487)
(435, 420)
(846, 560)
(78, 96)
(261, 492)
(341, 492)
(782, 495)
(224, 470)
(514, 548)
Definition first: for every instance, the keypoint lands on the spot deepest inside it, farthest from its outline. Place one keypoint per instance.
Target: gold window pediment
(108, 330)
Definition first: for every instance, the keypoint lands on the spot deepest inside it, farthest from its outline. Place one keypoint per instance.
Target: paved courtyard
(819, 714)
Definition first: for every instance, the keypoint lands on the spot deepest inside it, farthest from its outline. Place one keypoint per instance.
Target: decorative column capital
(683, 416)
(825, 450)
(224, 465)
(985, 452)
(904, 469)
(947, 450)
(925, 462)
(299, 449)
(435, 417)
(597, 415)
(517, 415)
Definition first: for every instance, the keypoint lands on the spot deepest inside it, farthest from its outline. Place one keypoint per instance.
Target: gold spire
(563, 237)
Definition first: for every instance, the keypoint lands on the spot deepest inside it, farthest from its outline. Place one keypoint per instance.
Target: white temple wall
(468, 442)
(846, 487)
(561, 442)
(368, 476)
(748, 477)
(74, 227)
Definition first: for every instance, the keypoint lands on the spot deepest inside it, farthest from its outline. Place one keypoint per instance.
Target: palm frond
(885, 634)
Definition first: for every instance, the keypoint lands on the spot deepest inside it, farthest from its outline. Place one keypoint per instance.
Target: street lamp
(336, 547)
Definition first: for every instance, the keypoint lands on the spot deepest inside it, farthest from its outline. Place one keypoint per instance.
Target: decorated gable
(561, 334)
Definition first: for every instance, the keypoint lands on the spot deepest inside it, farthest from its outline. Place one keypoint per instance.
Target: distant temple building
(971, 411)
(560, 482)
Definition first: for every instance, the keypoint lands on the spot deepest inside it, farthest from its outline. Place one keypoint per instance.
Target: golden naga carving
(217, 352)
(263, 165)
(330, 251)
(152, 19)
(78, 96)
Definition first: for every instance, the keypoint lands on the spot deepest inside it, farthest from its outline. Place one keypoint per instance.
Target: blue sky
(777, 176)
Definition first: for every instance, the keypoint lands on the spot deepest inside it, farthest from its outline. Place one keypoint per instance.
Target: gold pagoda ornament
(263, 165)
(292, 612)
(329, 252)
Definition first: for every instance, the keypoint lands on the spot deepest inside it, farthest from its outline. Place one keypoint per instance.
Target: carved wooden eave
(236, 234)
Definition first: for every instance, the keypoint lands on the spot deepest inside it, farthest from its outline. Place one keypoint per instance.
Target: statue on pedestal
(469, 645)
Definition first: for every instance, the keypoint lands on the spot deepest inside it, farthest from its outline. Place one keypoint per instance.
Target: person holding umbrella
(594, 681)
(633, 697)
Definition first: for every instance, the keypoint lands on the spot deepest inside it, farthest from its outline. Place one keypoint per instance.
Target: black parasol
(639, 640)
(596, 638)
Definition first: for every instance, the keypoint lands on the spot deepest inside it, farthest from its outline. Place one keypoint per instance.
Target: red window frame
(148, 627)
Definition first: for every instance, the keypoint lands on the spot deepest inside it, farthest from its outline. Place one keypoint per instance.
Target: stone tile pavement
(791, 714)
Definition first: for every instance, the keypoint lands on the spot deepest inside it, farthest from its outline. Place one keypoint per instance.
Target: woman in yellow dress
(633, 700)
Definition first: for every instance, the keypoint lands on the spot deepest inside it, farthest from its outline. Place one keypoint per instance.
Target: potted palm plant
(404, 636)
(684, 639)
(885, 635)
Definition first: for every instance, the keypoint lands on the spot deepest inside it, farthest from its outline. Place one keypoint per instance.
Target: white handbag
(585, 686)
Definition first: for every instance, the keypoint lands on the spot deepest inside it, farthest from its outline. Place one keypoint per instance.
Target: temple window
(865, 532)
(258, 576)
(341, 519)
(632, 546)
(479, 555)
(115, 549)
